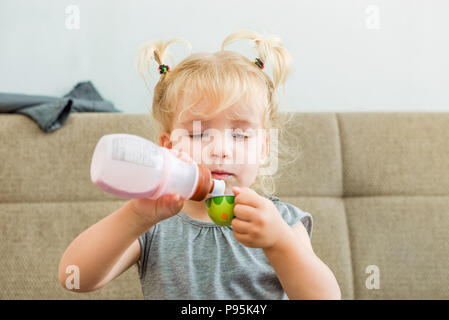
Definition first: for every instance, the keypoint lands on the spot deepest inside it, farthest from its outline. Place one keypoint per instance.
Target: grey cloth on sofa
(50, 113)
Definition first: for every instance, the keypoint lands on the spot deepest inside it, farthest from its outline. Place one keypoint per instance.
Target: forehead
(236, 114)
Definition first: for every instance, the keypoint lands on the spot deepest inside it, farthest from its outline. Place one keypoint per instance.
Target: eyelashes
(202, 135)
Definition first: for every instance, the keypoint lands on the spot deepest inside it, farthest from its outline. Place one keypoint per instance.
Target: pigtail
(270, 50)
(273, 54)
(156, 50)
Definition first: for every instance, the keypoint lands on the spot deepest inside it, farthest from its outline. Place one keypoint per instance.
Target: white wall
(342, 61)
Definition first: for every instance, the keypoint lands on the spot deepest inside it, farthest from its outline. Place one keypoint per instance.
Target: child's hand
(152, 211)
(257, 223)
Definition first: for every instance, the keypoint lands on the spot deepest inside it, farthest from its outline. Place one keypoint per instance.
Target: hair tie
(163, 68)
(259, 63)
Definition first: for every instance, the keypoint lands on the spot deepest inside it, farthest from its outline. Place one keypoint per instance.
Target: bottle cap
(219, 188)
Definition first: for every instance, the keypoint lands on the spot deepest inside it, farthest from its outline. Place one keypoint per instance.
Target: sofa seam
(337, 118)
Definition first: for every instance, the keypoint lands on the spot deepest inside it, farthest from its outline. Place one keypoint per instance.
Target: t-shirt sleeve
(292, 215)
(145, 244)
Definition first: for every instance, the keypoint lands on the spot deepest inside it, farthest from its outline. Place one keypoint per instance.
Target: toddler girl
(217, 109)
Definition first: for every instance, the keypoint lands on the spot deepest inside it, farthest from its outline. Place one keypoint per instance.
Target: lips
(221, 174)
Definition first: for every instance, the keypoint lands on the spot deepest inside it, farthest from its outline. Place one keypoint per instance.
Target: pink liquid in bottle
(130, 166)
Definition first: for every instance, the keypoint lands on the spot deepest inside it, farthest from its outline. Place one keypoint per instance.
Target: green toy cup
(221, 209)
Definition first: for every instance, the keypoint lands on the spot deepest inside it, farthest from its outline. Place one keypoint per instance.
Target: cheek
(184, 146)
(248, 169)
(247, 174)
(251, 152)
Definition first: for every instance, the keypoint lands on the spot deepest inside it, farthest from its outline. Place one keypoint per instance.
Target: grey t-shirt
(185, 258)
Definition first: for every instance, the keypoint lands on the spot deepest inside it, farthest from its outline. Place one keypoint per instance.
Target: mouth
(221, 174)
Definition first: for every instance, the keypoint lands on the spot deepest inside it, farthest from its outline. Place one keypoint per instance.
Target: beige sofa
(377, 185)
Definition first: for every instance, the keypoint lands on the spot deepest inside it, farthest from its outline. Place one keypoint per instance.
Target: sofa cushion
(36, 235)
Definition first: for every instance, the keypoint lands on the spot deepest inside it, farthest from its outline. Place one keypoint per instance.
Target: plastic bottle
(130, 166)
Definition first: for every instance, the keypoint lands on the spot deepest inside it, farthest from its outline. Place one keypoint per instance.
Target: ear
(164, 140)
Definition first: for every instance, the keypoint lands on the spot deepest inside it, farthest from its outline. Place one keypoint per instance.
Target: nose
(222, 147)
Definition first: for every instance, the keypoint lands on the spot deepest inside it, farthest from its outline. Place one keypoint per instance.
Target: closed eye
(203, 134)
(240, 136)
(197, 136)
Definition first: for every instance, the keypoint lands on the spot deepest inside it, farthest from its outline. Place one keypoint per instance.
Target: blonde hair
(222, 78)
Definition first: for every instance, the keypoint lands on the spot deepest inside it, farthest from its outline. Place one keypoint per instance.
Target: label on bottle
(138, 152)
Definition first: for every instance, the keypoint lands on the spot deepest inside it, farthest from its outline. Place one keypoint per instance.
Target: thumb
(236, 190)
(174, 200)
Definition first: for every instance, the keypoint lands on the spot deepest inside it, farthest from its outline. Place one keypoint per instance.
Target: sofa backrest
(377, 185)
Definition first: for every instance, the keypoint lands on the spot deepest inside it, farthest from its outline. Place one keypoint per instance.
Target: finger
(177, 204)
(246, 196)
(244, 212)
(170, 197)
(243, 238)
(172, 200)
(241, 226)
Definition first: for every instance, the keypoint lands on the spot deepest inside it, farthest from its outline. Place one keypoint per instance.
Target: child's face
(231, 142)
